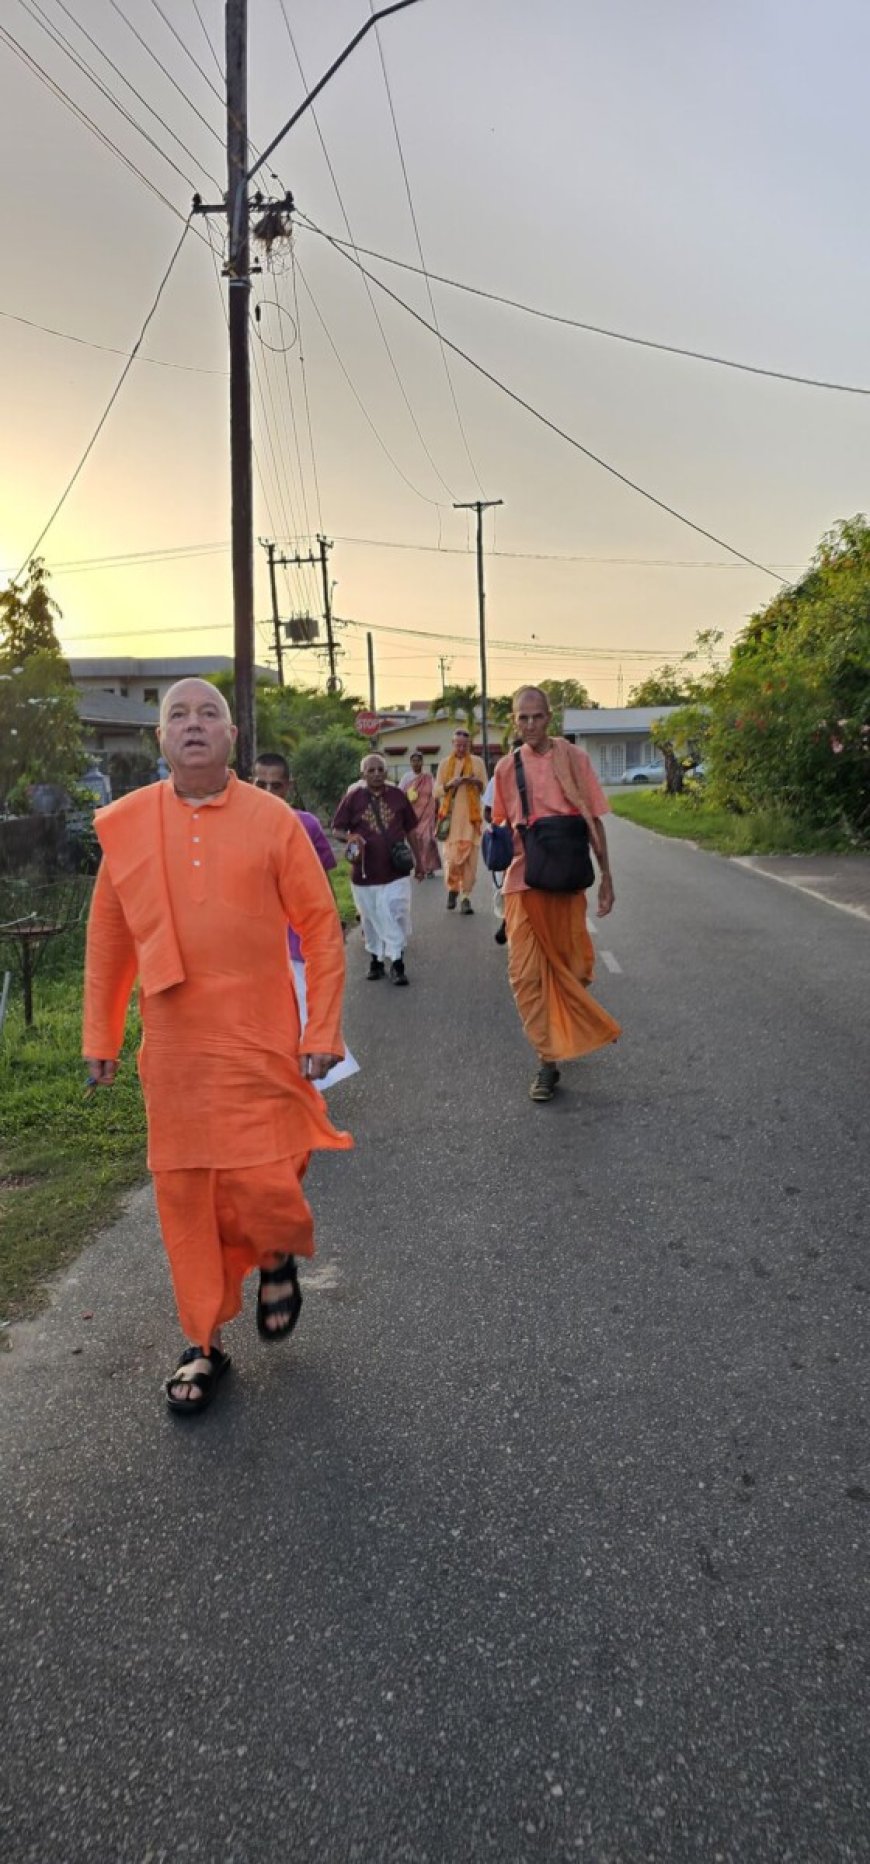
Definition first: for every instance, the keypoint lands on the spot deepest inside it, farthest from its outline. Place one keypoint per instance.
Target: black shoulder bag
(557, 846)
(401, 853)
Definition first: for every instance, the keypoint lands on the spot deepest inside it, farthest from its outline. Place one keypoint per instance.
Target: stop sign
(367, 723)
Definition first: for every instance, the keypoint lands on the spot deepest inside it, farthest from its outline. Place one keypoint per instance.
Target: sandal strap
(286, 1271)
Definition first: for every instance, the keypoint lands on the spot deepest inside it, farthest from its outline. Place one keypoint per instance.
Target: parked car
(645, 773)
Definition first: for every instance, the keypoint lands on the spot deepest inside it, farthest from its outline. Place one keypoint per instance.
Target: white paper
(343, 1069)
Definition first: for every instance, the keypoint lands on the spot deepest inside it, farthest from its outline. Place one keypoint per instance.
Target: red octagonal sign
(367, 723)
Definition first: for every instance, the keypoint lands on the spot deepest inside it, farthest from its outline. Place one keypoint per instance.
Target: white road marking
(611, 963)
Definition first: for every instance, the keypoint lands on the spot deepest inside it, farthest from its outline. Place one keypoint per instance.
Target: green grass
(65, 1158)
(691, 817)
(340, 878)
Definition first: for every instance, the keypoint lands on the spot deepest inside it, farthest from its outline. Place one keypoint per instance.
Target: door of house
(613, 762)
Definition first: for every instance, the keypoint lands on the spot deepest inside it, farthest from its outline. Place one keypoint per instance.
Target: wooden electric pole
(370, 649)
(241, 479)
(480, 505)
(332, 684)
(276, 618)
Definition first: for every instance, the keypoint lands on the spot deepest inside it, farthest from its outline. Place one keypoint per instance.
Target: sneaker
(501, 935)
(375, 970)
(466, 907)
(545, 1082)
(451, 902)
(397, 971)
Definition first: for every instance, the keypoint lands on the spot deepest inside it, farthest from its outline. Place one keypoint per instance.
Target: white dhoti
(386, 917)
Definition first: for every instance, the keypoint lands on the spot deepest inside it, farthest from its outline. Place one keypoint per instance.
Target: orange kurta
(196, 900)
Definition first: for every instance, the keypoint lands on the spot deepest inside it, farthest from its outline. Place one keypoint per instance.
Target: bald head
(196, 734)
(180, 693)
(532, 715)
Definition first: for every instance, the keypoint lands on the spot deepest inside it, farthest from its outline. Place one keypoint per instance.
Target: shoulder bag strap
(521, 786)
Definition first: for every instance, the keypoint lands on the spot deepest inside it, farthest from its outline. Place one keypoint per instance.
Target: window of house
(109, 689)
(151, 695)
(123, 691)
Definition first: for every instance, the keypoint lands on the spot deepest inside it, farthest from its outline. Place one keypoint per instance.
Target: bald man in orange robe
(200, 876)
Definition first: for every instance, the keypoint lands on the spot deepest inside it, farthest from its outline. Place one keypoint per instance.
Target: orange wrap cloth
(550, 963)
(463, 810)
(195, 900)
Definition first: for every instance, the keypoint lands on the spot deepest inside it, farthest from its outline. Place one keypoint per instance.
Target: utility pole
(332, 684)
(444, 667)
(370, 649)
(236, 207)
(238, 261)
(276, 618)
(480, 505)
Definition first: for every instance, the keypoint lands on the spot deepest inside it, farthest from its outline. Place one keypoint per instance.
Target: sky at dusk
(692, 175)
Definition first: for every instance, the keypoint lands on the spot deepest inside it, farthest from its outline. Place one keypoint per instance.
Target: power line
(208, 39)
(564, 435)
(82, 116)
(411, 209)
(109, 406)
(598, 330)
(188, 53)
(34, 7)
(114, 4)
(358, 397)
(109, 349)
(305, 389)
(63, 44)
(368, 290)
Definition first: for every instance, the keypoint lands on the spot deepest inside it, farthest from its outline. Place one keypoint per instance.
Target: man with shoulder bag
(547, 792)
(374, 819)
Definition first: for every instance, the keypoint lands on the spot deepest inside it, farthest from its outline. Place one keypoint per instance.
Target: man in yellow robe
(459, 786)
(200, 876)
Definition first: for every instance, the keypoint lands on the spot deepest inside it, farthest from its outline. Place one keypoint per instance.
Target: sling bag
(557, 847)
(401, 855)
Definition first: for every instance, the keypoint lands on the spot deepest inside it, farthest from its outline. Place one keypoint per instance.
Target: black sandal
(205, 1383)
(287, 1308)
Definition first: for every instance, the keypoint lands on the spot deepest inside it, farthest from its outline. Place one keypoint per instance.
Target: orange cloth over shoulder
(195, 900)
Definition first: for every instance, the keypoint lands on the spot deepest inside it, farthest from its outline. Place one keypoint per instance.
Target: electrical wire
(598, 330)
(108, 349)
(34, 8)
(187, 51)
(207, 37)
(306, 397)
(76, 110)
(578, 445)
(109, 405)
(419, 243)
(117, 8)
(367, 287)
(63, 45)
(358, 398)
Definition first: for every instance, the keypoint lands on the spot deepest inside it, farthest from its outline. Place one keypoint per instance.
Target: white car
(645, 773)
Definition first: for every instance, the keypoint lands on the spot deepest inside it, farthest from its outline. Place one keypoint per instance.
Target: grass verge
(65, 1157)
(691, 817)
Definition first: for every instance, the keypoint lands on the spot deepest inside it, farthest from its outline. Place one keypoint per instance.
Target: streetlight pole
(480, 505)
(241, 479)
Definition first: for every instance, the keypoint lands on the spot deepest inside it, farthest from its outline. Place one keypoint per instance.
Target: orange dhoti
(219, 1225)
(460, 864)
(550, 964)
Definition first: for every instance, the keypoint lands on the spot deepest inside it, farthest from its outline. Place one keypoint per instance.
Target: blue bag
(497, 847)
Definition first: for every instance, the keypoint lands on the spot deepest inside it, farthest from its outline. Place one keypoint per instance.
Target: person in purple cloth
(272, 772)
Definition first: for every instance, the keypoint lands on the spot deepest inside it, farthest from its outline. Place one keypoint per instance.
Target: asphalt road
(547, 1537)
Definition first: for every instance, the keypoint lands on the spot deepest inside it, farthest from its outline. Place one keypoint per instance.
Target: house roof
(589, 721)
(111, 709)
(120, 666)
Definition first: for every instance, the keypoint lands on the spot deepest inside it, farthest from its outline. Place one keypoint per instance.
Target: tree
(666, 687)
(562, 694)
(286, 715)
(40, 731)
(323, 766)
(27, 614)
(460, 702)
